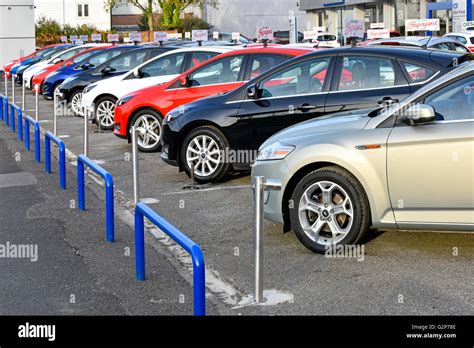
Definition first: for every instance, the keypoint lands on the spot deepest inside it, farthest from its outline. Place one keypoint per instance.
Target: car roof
(467, 33)
(415, 40)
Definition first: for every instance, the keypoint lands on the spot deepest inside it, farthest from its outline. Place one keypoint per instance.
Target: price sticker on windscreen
(200, 35)
(160, 36)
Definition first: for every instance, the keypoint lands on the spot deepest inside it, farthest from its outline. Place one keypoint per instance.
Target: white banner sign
(73, 38)
(265, 33)
(200, 35)
(236, 36)
(422, 24)
(378, 34)
(310, 35)
(377, 25)
(187, 35)
(215, 35)
(354, 28)
(160, 36)
(84, 38)
(64, 39)
(112, 37)
(468, 24)
(96, 37)
(135, 37)
(175, 36)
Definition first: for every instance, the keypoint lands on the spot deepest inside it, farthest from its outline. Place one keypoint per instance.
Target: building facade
(393, 13)
(75, 12)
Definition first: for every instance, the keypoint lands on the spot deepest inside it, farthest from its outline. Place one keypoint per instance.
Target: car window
(361, 72)
(82, 56)
(459, 47)
(327, 38)
(100, 58)
(224, 70)
(442, 46)
(264, 62)
(168, 65)
(418, 73)
(128, 61)
(156, 53)
(73, 52)
(303, 78)
(200, 57)
(461, 39)
(455, 101)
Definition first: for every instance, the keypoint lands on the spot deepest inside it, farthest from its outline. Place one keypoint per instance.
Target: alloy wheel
(76, 104)
(149, 131)
(326, 213)
(204, 153)
(105, 113)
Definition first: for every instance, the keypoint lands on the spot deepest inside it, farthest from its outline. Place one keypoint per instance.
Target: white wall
(65, 12)
(17, 31)
(245, 15)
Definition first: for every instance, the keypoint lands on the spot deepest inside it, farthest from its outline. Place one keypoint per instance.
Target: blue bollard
(20, 123)
(62, 157)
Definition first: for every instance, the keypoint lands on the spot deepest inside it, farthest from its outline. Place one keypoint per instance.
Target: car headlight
(275, 151)
(123, 100)
(89, 88)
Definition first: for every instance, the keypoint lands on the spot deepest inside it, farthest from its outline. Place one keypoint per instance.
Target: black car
(204, 132)
(71, 89)
(283, 37)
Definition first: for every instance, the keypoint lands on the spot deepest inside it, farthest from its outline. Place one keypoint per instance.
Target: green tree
(171, 10)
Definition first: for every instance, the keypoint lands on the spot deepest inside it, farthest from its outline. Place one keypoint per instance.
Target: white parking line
(206, 190)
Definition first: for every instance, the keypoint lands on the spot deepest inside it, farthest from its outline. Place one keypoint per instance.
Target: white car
(100, 97)
(59, 57)
(464, 37)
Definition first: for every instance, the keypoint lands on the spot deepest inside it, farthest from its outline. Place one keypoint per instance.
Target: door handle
(388, 100)
(307, 107)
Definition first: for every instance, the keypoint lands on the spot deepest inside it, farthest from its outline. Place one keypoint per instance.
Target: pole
(23, 97)
(258, 251)
(55, 114)
(6, 84)
(13, 89)
(136, 186)
(36, 103)
(86, 131)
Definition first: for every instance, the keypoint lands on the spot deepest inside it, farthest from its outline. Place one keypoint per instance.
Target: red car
(8, 66)
(38, 79)
(146, 108)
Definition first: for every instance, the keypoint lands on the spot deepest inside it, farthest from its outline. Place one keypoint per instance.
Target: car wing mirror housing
(252, 92)
(138, 73)
(419, 114)
(105, 71)
(184, 81)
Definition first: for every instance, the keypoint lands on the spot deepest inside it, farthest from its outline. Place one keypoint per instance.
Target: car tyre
(104, 112)
(330, 208)
(149, 124)
(210, 143)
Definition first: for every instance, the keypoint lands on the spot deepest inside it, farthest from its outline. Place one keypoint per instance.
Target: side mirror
(86, 66)
(138, 73)
(105, 71)
(184, 81)
(419, 114)
(252, 92)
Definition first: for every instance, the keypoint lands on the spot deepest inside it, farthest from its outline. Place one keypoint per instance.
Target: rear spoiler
(450, 61)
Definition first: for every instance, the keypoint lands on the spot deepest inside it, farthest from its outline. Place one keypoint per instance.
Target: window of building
(83, 10)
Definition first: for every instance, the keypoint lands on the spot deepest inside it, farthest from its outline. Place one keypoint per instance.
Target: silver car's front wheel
(149, 127)
(329, 207)
(76, 100)
(325, 213)
(105, 113)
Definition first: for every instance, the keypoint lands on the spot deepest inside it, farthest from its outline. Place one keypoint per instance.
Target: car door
(290, 95)
(431, 167)
(362, 81)
(219, 76)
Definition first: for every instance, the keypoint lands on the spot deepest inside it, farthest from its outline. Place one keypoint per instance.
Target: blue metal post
(37, 143)
(47, 154)
(20, 123)
(12, 117)
(199, 281)
(83, 160)
(62, 165)
(469, 10)
(5, 115)
(80, 185)
(27, 134)
(1, 107)
(139, 245)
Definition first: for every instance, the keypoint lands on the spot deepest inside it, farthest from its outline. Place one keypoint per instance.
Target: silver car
(408, 165)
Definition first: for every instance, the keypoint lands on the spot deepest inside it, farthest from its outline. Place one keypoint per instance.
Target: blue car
(19, 68)
(54, 80)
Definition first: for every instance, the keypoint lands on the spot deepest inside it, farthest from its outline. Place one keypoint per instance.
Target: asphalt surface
(409, 273)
